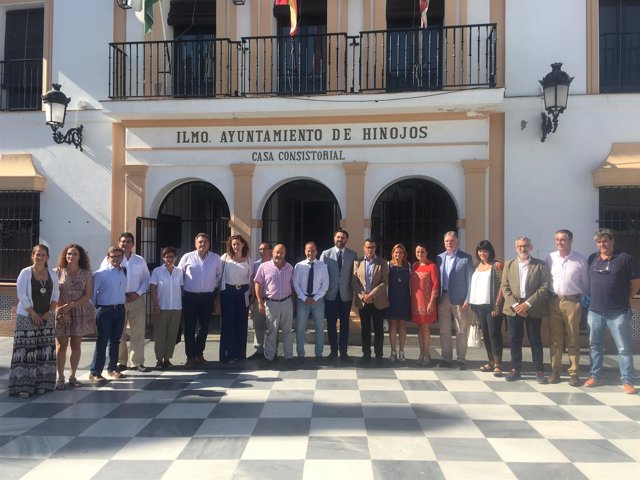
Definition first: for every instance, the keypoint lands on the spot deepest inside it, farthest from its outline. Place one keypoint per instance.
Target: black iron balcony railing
(179, 68)
(428, 59)
(620, 62)
(304, 64)
(387, 61)
(21, 84)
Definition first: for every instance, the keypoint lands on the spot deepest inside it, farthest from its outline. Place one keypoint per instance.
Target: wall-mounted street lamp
(55, 108)
(124, 4)
(555, 86)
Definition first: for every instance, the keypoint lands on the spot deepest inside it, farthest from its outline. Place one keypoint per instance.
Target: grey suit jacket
(339, 280)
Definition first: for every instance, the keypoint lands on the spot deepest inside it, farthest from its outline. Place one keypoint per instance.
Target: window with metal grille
(19, 231)
(620, 211)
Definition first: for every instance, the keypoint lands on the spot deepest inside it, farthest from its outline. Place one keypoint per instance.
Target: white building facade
(217, 120)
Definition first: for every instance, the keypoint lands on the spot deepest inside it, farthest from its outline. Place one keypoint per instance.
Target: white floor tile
(528, 450)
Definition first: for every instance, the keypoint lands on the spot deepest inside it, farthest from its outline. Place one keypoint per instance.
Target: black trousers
(517, 325)
(371, 315)
(197, 309)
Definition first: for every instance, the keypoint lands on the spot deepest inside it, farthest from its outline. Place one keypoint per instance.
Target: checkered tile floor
(327, 421)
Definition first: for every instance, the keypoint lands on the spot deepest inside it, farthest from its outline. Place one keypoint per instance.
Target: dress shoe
(592, 382)
(444, 364)
(159, 365)
(141, 368)
(97, 379)
(200, 360)
(574, 381)
(541, 379)
(333, 355)
(115, 374)
(629, 389)
(167, 364)
(513, 375)
(554, 377)
(121, 367)
(319, 359)
(190, 363)
(344, 358)
(257, 355)
(461, 365)
(379, 360)
(365, 360)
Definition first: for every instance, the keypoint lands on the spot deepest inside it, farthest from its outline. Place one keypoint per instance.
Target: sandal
(73, 381)
(60, 384)
(487, 367)
(497, 371)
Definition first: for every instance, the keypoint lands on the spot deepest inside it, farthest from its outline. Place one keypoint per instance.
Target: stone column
(475, 203)
(136, 178)
(354, 220)
(242, 200)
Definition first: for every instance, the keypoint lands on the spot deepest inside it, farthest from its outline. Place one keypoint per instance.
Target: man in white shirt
(135, 306)
(202, 273)
(569, 282)
(311, 282)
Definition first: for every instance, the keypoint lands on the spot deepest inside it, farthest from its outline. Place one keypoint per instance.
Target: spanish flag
(293, 9)
(424, 6)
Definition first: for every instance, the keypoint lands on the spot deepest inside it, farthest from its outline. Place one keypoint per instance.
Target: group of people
(57, 307)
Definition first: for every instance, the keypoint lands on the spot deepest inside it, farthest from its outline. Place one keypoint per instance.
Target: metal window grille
(19, 230)
(620, 211)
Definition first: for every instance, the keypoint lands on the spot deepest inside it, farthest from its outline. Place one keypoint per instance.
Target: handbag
(474, 339)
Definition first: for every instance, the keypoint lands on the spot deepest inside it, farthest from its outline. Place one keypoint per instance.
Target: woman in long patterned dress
(425, 282)
(33, 362)
(399, 311)
(75, 315)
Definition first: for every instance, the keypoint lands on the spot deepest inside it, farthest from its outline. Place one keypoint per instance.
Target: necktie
(340, 260)
(310, 281)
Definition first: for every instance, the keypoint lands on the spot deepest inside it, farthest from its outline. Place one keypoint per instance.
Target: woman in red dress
(425, 282)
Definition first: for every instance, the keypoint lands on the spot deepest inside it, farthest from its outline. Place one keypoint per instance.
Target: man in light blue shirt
(109, 296)
(311, 282)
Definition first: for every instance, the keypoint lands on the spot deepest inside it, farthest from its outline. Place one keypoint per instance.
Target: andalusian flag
(148, 15)
(293, 9)
(424, 6)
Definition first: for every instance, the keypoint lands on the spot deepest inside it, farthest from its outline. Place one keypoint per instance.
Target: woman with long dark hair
(75, 315)
(486, 299)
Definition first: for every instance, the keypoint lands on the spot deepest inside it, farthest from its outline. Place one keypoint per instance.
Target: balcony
(620, 62)
(21, 84)
(437, 58)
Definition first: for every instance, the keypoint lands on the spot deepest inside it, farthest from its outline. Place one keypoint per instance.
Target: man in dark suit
(525, 287)
(339, 298)
(456, 270)
(370, 282)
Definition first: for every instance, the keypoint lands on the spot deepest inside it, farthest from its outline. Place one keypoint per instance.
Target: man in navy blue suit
(456, 270)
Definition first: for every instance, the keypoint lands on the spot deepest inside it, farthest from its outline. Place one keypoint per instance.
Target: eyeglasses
(602, 266)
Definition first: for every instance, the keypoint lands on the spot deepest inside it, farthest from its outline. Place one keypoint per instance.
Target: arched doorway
(187, 210)
(411, 211)
(298, 212)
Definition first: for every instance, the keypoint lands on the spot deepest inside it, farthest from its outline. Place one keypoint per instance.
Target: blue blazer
(339, 280)
(459, 278)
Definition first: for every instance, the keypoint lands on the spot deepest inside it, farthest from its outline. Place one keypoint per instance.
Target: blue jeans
(302, 315)
(109, 327)
(337, 309)
(619, 324)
